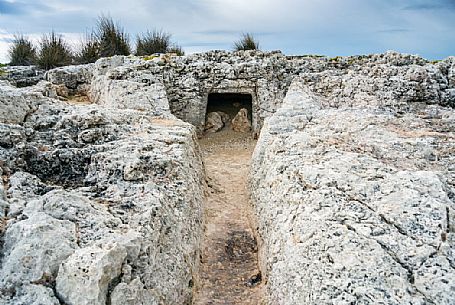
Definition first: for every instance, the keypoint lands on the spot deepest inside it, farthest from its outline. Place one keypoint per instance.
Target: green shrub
(156, 42)
(89, 50)
(336, 58)
(2, 70)
(22, 52)
(112, 39)
(54, 52)
(247, 42)
(153, 42)
(177, 50)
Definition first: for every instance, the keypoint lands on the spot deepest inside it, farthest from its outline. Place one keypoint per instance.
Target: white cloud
(333, 27)
(4, 45)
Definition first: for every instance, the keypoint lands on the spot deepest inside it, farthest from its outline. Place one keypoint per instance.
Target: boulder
(128, 294)
(16, 104)
(31, 295)
(224, 117)
(22, 76)
(214, 122)
(72, 78)
(241, 123)
(84, 278)
(34, 249)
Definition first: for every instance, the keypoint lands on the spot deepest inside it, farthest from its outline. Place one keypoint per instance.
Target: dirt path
(229, 267)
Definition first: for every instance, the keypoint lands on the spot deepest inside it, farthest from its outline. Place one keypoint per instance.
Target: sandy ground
(229, 267)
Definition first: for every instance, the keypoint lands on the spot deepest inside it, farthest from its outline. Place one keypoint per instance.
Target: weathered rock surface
(91, 270)
(240, 122)
(125, 84)
(34, 249)
(22, 76)
(384, 79)
(353, 178)
(214, 122)
(355, 204)
(94, 199)
(16, 104)
(74, 78)
(186, 81)
(225, 118)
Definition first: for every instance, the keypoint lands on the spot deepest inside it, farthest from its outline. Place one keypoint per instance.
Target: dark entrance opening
(230, 103)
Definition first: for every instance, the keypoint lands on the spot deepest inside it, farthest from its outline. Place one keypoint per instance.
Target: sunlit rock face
(355, 202)
(96, 203)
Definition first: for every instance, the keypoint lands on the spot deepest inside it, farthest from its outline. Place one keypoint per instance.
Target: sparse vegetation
(89, 51)
(153, 42)
(2, 70)
(111, 38)
(313, 55)
(53, 52)
(177, 50)
(336, 58)
(156, 42)
(247, 42)
(22, 52)
(150, 57)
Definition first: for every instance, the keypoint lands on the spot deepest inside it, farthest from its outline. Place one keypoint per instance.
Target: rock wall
(354, 203)
(125, 84)
(185, 82)
(22, 76)
(97, 205)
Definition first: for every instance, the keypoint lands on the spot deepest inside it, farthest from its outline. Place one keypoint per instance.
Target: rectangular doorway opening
(229, 111)
(230, 103)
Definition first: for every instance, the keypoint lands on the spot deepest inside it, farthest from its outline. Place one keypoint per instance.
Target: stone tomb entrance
(229, 272)
(222, 108)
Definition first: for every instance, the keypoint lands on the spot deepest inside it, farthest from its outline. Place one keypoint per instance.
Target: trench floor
(229, 271)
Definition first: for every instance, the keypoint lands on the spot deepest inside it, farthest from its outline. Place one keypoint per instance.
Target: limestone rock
(180, 83)
(116, 177)
(22, 76)
(352, 177)
(62, 90)
(129, 294)
(16, 104)
(85, 277)
(214, 122)
(125, 88)
(240, 122)
(31, 295)
(3, 203)
(71, 80)
(34, 249)
(352, 205)
(224, 117)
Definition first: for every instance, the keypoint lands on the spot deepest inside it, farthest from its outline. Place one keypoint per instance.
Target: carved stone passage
(229, 271)
(104, 197)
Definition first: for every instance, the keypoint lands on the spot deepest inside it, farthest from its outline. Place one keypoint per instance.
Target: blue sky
(328, 27)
